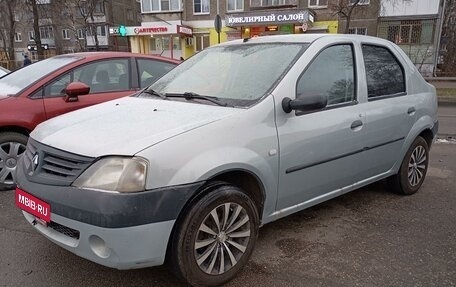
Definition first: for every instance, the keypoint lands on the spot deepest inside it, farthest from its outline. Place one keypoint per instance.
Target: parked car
(3, 71)
(61, 84)
(237, 136)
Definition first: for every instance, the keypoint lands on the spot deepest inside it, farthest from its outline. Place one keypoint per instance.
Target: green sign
(122, 31)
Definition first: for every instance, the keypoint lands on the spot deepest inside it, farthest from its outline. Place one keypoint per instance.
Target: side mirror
(305, 103)
(75, 89)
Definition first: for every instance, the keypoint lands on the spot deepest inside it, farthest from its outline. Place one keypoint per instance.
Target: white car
(3, 71)
(237, 136)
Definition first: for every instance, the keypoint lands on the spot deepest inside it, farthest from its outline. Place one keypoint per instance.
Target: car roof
(300, 38)
(110, 54)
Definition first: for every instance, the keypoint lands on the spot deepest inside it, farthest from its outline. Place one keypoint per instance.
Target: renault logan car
(62, 84)
(239, 135)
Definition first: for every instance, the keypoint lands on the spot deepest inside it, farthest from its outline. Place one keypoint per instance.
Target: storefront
(157, 38)
(260, 23)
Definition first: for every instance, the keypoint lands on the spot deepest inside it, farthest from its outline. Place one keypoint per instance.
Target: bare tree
(448, 40)
(8, 26)
(344, 9)
(87, 9)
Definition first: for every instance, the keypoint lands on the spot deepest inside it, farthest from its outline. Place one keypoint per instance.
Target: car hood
(125, 126)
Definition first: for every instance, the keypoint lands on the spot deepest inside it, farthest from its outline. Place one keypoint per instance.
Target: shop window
(201, 42)
(201, 7)
(358, 30)
(235, 5)
(318, 3)
(148, 6)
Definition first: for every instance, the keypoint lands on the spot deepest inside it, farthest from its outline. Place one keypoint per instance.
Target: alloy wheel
(417, 165)
(222, 238)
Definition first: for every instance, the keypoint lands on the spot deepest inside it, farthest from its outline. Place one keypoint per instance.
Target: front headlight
(120, 174)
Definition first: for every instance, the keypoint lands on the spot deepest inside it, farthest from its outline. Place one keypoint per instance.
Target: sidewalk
(446, 90)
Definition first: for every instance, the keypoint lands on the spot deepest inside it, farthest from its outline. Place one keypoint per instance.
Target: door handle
(356, 124)
(411, 110)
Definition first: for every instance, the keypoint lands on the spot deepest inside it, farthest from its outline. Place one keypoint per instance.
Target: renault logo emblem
(35, 161)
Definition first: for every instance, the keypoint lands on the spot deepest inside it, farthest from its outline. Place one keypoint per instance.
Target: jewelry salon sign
(265, 18)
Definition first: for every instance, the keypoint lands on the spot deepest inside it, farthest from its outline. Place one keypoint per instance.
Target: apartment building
(414, 26)
(73, 26)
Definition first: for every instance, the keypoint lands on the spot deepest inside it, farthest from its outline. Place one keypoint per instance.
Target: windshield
(16, 81)
(236, 74)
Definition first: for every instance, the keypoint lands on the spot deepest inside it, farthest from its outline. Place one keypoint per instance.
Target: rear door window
(384, 73)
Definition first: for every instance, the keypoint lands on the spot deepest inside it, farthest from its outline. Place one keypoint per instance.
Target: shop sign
(269, 17)
(185, 30)
(150, 30)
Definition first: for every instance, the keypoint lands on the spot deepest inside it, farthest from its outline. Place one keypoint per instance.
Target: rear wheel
(413, 169)
(216, 237)
(12, 146)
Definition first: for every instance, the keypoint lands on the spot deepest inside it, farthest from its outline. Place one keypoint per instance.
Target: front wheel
(12, 146)
(413, 169)
(216, 237)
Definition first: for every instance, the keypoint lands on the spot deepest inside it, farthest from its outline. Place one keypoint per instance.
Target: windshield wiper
(154, 93)
(191, 95)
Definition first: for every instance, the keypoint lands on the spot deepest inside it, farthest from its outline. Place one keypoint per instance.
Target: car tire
(413, 169)
(12, 146)
(207, 253)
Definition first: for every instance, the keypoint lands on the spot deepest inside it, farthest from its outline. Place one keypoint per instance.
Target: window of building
(330, 74)
(66, 34)
(235, 5)
(201, 42)
(201, 7)
(101, 30)
(318, 3)
(160, 5)
(274, 2)
(31, 36)
(99, 7)
(80, 33)
(130, 15)
(46, 32)
(411, 32)
(18, 37)
(385, 75)
(362, 2)
(358, 30)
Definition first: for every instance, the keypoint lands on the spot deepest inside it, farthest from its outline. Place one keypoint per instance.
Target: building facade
(73, 26)
(414, 26)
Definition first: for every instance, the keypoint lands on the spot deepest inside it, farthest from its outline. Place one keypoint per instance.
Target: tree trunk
(36, 29)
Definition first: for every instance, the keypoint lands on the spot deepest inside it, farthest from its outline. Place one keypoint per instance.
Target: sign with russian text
(267, 18)
(184, 30)
(33, 205)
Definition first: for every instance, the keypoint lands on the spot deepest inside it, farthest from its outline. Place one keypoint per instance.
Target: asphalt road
(369, 237)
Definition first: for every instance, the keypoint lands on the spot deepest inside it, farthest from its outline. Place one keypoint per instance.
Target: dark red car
(65, 83)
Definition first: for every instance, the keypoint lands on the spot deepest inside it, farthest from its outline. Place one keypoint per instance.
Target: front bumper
(122, 231)
(121, 248)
